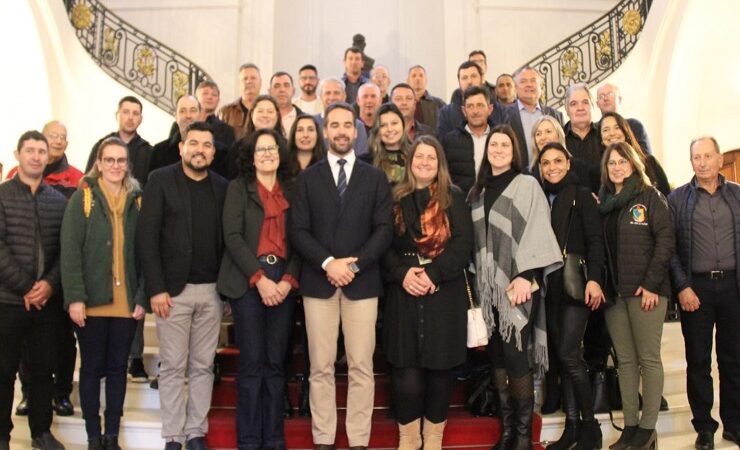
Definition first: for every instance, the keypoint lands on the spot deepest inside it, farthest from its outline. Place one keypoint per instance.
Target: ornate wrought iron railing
(134, 59)
(593, 53)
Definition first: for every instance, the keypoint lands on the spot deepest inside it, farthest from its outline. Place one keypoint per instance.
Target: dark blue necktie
(342, 178)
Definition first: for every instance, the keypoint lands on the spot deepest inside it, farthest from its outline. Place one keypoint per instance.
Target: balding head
(56, 135)
(608, 98)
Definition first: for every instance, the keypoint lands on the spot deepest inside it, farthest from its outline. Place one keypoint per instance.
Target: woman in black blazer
(258, 271)
(426, 301)
(576, 222)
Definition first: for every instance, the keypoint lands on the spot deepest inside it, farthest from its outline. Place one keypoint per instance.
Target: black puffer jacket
(646, 243)
(459, 150)
(21, 214)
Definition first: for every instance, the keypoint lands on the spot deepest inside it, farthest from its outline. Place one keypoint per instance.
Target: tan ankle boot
(409, 435)
(433, 433)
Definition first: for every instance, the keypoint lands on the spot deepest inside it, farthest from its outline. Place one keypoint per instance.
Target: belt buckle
(271, 259)
(716, 275)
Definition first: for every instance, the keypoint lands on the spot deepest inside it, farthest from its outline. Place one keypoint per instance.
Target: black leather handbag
(575, 272)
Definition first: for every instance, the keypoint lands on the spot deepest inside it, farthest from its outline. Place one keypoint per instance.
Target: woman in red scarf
(257, 273)
(426, 302)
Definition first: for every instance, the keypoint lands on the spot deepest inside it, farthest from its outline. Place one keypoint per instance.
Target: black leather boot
(287, 407)
(572, 419)
(304, 406)
(522, 393)
(590, 436)
(505, 408)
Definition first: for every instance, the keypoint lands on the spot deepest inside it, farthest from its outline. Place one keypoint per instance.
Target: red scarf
(272, 234)
(435, 226)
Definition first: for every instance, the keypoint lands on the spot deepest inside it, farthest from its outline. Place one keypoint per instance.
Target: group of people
(393, 200)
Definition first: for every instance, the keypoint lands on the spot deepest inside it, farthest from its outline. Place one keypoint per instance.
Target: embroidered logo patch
(638, 214)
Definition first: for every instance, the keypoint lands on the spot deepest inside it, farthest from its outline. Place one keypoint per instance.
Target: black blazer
(243, 217)
(512, 117)
(164, 238)
(322, 226)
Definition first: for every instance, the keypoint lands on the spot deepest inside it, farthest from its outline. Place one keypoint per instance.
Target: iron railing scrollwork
(593, 53)
(134, 59)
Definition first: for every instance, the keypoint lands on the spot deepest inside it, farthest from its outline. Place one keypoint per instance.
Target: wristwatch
(353, 267)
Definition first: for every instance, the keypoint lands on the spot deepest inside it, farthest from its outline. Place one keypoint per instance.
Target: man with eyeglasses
(180, 243)
(609, 99)
(308, 80)
(65, 178)
(465, 146)
(31, 215)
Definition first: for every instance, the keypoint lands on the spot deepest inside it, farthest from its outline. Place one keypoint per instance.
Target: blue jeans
(104, 347)
(262, 334)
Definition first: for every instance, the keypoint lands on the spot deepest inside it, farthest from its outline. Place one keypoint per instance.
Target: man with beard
(282, 90)
(331, 91)
(129, 117)
(341, 225)
(308, 81)
(180, 243)
(353, 77)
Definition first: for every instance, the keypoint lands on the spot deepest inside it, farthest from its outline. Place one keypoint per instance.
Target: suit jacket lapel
(327, 179)
(354, 181)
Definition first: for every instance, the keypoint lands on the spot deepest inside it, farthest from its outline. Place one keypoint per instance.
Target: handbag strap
(567, 232)
(467, 288)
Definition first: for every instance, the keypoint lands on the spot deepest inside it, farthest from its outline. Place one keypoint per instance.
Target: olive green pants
(636, 335)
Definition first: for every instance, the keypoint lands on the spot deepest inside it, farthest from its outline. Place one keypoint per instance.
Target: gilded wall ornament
(179, 84)
(631, 22)
(145, 61)
(570, 64)
(81, 16)
(604, 46)
(110, 41)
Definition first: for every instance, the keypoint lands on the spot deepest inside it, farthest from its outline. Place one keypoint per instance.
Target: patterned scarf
(518, 237)
(435, 226)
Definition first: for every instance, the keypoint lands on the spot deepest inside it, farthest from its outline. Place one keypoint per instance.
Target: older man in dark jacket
(30, 219)
(706, 216)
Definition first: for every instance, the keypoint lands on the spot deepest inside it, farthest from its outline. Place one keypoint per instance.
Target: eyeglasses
(606, 96)
(54, 137)
(110, 162)
(620, 163)
(269, 148)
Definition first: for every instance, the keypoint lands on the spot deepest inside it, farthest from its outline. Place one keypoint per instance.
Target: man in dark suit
(527, 109)
(341, 225)
(180, 242)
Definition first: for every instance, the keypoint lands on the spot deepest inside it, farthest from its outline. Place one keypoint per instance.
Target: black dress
(429, 331)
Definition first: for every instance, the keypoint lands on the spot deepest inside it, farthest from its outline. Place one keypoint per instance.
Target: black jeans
(597, 343)
(720, 308)
(419, 392)
(566, 325)
(33, 332)
(65, 353)
(262, 334)
(105, 343)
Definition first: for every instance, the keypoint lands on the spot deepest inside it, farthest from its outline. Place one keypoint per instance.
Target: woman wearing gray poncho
(515, 250)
